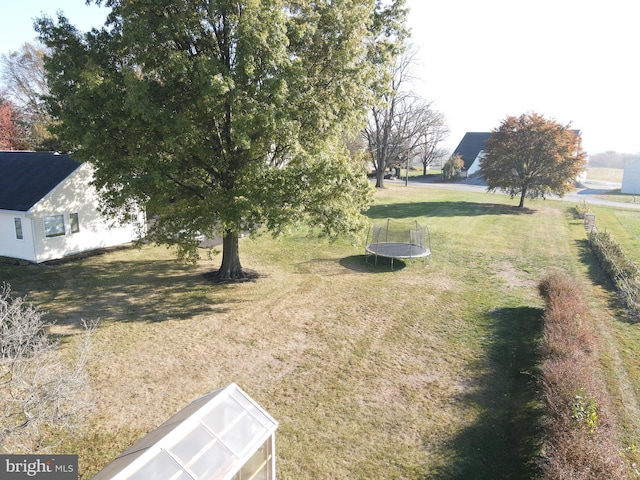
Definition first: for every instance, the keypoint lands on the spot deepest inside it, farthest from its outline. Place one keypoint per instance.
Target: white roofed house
(50, 210)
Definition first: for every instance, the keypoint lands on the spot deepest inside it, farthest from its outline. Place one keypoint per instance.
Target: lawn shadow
(504, 442)
(367, 264)
(443, 209)
(123, 291)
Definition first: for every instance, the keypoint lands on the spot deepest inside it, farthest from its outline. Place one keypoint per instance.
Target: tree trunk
(231, 269)
(380, 179)
(521, 204)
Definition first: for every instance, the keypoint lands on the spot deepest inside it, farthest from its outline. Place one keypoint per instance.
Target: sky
(480, 61)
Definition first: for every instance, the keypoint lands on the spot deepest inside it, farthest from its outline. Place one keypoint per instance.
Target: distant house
(471, 149)
(49, 210)
(631, 179)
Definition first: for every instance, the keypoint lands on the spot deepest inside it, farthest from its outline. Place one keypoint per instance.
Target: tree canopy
(12, 134)
(22, 72)
(219, 116)
(532, 157)
(452, 167)
(401, 125)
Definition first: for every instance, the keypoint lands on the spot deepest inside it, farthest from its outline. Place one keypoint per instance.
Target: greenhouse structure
(223, 435)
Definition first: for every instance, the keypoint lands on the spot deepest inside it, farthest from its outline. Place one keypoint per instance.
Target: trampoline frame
(379, 244)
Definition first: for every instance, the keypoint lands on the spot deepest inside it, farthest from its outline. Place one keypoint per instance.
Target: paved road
(588, 191)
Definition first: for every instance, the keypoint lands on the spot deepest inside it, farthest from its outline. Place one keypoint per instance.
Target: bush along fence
(623, 272)
(580, 437)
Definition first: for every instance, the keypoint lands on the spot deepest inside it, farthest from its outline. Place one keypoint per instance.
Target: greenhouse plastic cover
(209, 439)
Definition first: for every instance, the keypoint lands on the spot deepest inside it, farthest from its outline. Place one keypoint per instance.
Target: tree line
(612, 159)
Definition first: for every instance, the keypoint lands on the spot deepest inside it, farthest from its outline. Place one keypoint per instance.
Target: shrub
(580, 435)
(452, 167)
(38, 388)
(622, 271)
(582, 208)
(22, 329)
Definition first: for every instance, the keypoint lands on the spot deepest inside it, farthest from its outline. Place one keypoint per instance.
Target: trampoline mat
(397, 250)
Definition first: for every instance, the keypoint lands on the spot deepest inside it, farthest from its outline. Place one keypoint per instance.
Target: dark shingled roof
(470, 146)
(27, 177)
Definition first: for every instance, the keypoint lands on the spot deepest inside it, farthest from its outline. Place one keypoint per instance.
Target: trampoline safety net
(398, 240)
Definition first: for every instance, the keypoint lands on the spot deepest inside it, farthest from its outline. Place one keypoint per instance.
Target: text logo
(52, 467)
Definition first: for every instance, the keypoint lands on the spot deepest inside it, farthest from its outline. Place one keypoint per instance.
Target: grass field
(408, 374)
(605, 174)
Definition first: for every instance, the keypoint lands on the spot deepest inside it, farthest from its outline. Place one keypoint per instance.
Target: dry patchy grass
(413, 373)
(605, 174)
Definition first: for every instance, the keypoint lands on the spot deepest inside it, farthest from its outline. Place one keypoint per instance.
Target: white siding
(74, 195)
(10, 246)
(475, 166)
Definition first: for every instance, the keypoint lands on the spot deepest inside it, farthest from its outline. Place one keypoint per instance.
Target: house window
(75, 223)
(54, 226)
(18, 223)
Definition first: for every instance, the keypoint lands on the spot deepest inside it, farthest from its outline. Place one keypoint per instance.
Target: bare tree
(381, 133)
(433, 133)
(38, 387)
(402, 126)
(22, 72)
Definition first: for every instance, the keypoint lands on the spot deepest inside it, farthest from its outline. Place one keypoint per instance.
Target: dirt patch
(513, 276)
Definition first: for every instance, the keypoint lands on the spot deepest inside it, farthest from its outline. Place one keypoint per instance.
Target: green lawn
(413, 373)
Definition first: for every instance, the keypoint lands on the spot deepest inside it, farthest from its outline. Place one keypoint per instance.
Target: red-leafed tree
(11, 133)
(22, 75)
(531, 156)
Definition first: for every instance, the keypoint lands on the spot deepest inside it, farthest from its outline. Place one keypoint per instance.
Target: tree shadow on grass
(504, 442)
(443, 209)
(122, 291)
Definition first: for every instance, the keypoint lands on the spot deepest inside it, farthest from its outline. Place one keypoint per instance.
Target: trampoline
(398, 240)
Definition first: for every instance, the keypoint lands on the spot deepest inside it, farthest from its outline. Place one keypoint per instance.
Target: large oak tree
(533, 157)
(222, 115)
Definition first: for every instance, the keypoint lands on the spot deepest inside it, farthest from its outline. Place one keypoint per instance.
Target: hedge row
(624, 273)
(579, 433)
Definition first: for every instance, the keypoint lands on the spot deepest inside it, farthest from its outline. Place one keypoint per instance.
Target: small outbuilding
(631, 179)
(223, 435)
(50, 210)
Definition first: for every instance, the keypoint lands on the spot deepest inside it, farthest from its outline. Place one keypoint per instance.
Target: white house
(49, 210)
(631, 179)
(471, 150)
